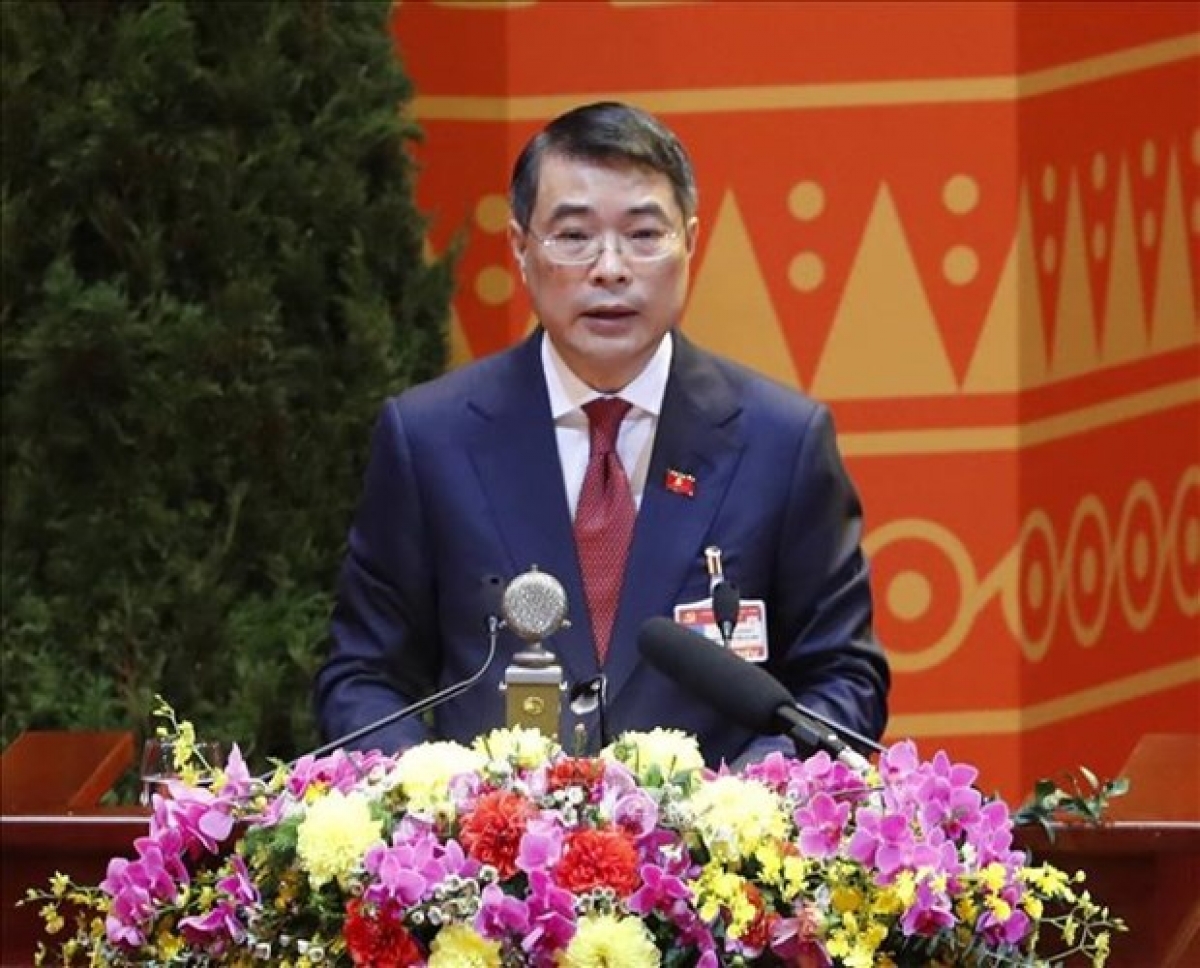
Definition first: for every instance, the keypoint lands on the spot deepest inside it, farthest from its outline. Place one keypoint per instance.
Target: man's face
(606, 317)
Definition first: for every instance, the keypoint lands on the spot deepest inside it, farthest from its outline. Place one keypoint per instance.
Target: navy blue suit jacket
(464, 481)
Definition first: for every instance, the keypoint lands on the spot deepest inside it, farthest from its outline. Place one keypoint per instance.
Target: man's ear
(518, 241)
(691, 232)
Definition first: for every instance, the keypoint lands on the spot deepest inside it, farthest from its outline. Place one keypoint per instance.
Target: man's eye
(573, 235)
(647, 234)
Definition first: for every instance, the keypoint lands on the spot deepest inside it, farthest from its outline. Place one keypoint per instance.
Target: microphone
(752, 698)
(491, 586)
(534, 606)
(727, 603)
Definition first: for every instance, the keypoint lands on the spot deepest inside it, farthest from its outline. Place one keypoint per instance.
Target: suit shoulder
(762, 396)
(448, 394)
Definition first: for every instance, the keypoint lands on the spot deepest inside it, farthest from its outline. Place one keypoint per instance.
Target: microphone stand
(409, 711)
(533, 687)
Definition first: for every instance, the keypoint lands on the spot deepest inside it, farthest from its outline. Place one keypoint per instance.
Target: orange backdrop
(972, 228)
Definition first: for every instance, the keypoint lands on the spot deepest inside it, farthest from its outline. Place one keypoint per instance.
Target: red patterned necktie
(604, 519)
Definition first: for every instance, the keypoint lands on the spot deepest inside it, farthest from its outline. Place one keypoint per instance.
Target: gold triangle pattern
(1174, 319)
(884, 341)
(730, 309)
(1075, 349)
(1125, 334)
(1011, 352)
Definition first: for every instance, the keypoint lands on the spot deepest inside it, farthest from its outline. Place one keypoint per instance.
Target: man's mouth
(610, 312)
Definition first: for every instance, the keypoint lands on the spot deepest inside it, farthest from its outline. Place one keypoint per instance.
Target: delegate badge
(750, 635)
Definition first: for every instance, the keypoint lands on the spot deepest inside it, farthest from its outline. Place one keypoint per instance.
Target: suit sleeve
(384, 651)
(820, 609)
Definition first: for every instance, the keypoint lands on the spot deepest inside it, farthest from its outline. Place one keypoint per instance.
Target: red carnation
(376, 937)
(584, 773)
(598, 858)
(492, 832)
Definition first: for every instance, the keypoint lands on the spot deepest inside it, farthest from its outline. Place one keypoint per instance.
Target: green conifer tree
(212, 275)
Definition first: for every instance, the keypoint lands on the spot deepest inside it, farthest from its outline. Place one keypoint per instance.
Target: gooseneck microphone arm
(493, 588)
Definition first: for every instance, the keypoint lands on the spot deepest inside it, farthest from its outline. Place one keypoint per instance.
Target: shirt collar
(567, 392)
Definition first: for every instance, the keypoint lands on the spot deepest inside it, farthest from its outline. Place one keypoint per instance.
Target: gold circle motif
(1049, 254)
(491, 214)
(533, 706)
(960, 194)
(494, 285)
(1035, 584)
(1087, 633)
(909, 595)
(806, 200)
(955, 552)
(806, 272)
(1139, 556)
(1049, 183)
(1149, 157)
(1035, 649)
(1149, 229)
(960, 265)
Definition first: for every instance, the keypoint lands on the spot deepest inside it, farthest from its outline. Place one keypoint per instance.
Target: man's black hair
(605, 132)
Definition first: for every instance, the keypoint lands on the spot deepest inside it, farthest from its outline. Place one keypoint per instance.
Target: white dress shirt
(635, 440)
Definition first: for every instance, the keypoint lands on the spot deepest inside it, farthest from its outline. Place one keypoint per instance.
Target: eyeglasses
(576, 247)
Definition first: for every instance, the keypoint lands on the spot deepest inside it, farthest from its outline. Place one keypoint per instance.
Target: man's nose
(610, 264)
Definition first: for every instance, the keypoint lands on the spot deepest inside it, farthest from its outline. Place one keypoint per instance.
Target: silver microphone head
(534, 605)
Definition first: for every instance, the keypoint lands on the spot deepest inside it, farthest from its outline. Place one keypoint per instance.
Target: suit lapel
(698, 435)
(516, 457)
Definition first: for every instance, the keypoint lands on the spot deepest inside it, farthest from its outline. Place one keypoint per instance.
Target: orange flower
(491, 833)
(598, 858)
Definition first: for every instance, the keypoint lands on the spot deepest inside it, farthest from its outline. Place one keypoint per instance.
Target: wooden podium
(51, 784)
(1144, 864)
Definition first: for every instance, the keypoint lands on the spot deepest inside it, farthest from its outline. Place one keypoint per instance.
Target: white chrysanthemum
(334, 834)
(604, 941)
(424, 773)
(517, 745)
(665, 752)
(736, 816)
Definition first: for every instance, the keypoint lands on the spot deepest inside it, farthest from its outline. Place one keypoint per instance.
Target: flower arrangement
(511, 852)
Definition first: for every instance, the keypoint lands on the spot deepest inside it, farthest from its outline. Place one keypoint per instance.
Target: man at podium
(613, 454)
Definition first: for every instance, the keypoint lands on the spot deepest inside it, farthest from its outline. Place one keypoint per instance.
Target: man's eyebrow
(572, 209)
(648, 208)
(568, 209)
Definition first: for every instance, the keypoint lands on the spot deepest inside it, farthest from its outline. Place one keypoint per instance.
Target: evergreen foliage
(212, 275)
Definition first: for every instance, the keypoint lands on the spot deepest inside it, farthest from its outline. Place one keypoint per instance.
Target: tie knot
(604, 420)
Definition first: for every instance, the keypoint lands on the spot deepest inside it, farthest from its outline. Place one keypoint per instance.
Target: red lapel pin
(681, 483)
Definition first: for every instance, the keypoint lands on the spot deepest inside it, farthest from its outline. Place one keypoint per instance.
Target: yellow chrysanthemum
(736, 817)
(334, 835)
(517, 745)
(424, 773)
(669, 753)
(460, 946)
(604, 941)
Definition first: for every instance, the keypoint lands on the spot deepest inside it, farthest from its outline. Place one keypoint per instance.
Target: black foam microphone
(745, 693)
(727, 603)
(492, 590)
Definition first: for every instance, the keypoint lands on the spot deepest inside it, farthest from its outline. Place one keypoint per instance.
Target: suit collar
(516, 456)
